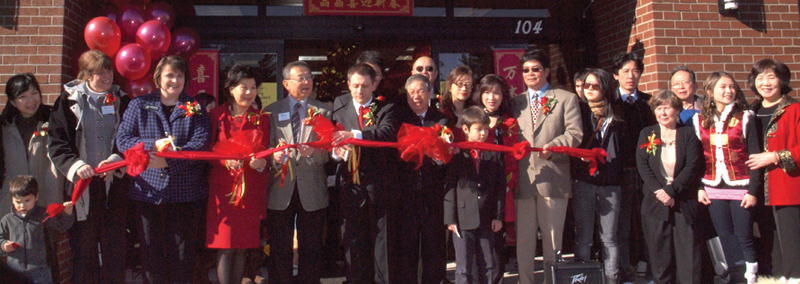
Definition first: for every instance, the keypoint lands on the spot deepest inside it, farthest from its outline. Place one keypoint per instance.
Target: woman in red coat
(234, 214)
(779, 115)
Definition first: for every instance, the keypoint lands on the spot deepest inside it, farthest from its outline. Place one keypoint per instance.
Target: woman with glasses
(778, 117)
(727, 130)
(597, 195)
(457, 93)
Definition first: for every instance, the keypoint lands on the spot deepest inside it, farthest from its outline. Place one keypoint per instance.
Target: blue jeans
(593, 201)
(730, 218)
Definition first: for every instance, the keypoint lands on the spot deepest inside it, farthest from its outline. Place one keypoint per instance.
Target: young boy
(22, 231)
(475, 200)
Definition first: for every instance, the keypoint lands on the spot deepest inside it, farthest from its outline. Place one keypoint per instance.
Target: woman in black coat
(670, 161)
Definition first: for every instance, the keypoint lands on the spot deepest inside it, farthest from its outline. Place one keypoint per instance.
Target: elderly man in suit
(423, 195)
(299, 201)
(368, 175)
(547, 117)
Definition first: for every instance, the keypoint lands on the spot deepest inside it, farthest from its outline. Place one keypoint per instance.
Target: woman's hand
(749, 201)
(497, 225)
(702, 197)
(156, 162)
(233, 164)
(664, 197)
(760, 160)
(258, 164)
(85, 172)
(9, 246)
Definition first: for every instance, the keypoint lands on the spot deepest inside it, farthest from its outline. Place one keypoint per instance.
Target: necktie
(421, 120)
(361, 111)
(476, 158)
(296, 122)
(535, 104)
(630, 100)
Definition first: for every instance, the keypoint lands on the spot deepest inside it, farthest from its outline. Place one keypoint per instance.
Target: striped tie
(296, 122)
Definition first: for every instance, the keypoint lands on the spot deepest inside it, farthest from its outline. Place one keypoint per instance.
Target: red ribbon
(136, 159)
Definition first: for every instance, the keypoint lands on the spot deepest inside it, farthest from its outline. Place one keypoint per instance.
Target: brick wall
(693, 32)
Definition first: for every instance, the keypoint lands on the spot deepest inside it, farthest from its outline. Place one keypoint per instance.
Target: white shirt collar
(358, 106)
(625, 95)
(540, 91)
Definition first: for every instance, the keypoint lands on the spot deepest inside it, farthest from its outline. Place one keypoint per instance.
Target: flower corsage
(652, 144)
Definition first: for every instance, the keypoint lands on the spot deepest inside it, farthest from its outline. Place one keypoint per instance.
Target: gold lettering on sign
(338, 3)
(394, 4)
(512, 72)
(379, 3)
(324, 3)
(352, 4)
(366, 3)
(201, 74)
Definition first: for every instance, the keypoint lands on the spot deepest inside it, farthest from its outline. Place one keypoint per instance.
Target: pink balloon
(133, 61)
(141, 86)
(109, 11)
(155, 36)
(103, 34)
(161, 11)
(185, 42)
(130, 19)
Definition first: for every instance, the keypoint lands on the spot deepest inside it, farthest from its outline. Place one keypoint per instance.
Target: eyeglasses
(302, 79)
(681, 83)
(591, 87)
(460, 85)
(533, 69)
(423, 68)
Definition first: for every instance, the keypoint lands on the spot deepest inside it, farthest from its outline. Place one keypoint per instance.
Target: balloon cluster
(136, 36)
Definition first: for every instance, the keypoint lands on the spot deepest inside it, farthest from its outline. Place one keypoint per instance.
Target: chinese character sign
(359, 7)
(506, 65)
(204, 73)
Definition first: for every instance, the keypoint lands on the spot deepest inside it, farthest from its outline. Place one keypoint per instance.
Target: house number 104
(525, 27)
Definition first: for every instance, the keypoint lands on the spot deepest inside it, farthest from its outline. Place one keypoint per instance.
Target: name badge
(283, 116)
(107, 110)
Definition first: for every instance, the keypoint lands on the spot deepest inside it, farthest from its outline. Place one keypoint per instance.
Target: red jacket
(782, 182)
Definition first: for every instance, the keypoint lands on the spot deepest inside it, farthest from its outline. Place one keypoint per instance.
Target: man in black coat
(368, 175)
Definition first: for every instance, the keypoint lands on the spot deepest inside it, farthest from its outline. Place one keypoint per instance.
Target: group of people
(668, 155)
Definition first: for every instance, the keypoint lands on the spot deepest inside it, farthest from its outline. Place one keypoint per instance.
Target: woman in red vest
(728, 133)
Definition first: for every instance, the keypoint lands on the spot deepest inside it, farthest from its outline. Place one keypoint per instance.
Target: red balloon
(155, 36)
(109, 11)
(103, 34)
(185, 42)
(133, 61)
(141, 86)
(130, 19)
(161, 11)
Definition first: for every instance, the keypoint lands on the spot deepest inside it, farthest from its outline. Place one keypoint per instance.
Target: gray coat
(28, 232)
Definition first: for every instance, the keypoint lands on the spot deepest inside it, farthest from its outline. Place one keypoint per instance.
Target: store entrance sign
(359, 7)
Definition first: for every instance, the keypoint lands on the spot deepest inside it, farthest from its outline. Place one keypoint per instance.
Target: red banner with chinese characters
(506, 65)
(204, 73)
(359, 7)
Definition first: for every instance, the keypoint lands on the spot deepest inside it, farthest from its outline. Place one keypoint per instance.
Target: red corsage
(369, 114)
(548, 104)
(42, 130)
(191, 108)
(110, 99)
(255, 118)
(380, 98)
(313, 112)
(652, 144)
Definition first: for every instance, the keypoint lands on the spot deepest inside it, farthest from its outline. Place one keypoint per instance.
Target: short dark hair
(623, 58)
(580, 75)
(176, 63)
(536, 54)
(684, 68)
(493, 82)
(665, 95)
(362, 69)
(473, 115)
(15, 86)
(372, 57)
(23, 185)
(287, 70)
(768, 64)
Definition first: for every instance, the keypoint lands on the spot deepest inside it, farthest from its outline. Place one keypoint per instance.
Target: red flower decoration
(547, 104)
(380, 98)
(15, 245)
(191, 108)
(651, 144)
(110, 99)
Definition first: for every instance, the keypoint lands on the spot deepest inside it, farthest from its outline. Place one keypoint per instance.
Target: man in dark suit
(423, 195)
(299, 201)
(368, 176)
(425, 66)
(637, 115)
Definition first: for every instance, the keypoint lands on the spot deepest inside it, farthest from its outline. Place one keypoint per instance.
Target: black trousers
(421, 225)
(674, 249)
(105, 225)
(170, 240)
(365, 236)
(787, 221)
(282, 224)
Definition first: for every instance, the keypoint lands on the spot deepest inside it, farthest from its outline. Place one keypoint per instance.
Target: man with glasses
(683, 83)
(425, 66)
(547, 117)
(636, 115)
(302, 198)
